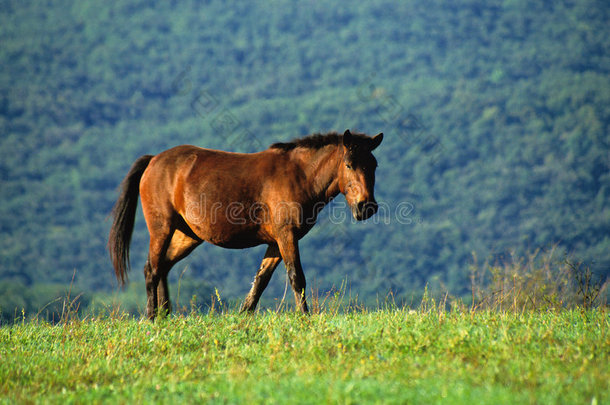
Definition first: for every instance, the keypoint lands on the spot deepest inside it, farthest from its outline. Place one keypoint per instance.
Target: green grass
(383, 356)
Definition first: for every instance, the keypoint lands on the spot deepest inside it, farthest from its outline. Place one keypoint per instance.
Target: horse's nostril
(370, 209)
(366, 209)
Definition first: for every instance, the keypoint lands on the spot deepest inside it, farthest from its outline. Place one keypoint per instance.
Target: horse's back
(192, 170)
(193, 161)
(214, 191)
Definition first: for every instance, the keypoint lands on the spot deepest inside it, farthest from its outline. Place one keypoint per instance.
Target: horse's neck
(320, 167)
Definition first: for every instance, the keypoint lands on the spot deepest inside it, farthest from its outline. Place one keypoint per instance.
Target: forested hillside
(496, 117)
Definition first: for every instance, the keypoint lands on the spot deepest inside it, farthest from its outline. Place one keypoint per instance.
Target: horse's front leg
(263, 275)
(289, 250)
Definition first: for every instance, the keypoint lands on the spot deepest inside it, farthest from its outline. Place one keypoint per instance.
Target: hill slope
(496, 117)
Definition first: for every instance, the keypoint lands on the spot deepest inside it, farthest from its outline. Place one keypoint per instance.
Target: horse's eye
(348, 166)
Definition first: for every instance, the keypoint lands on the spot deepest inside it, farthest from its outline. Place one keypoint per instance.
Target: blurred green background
(496, 116)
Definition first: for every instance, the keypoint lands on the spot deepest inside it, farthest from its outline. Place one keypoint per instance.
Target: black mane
(315, 141)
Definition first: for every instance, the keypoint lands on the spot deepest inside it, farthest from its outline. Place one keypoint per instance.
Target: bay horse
(239, 200)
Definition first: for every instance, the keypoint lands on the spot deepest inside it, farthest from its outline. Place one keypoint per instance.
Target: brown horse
(191, 195)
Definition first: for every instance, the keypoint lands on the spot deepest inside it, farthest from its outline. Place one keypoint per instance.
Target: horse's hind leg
(156, 269)
(163, 293)
(152, 283)
(169, 243)
(263, 275)
(154, 274)
(182, 243)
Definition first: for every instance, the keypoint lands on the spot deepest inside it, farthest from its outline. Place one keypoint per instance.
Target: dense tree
(496, 115)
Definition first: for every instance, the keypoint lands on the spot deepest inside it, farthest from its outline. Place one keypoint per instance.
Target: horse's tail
(124, 213)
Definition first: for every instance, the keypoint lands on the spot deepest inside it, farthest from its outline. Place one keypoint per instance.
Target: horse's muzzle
(365, 210)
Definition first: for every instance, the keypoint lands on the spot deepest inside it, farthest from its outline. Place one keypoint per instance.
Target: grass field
(383, 356)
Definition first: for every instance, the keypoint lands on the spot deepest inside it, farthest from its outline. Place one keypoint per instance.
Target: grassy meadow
(390, 355)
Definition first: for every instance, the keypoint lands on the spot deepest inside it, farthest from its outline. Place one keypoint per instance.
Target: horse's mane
(315, 141)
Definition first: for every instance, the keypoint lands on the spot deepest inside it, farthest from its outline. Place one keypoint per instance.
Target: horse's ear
(376, 140)
(347, 138)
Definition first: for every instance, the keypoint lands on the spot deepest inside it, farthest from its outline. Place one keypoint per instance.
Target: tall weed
(538, 281)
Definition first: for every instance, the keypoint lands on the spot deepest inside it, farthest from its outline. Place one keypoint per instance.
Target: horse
(191, 195)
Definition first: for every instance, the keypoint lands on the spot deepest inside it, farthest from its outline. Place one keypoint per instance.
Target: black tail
(124, 213)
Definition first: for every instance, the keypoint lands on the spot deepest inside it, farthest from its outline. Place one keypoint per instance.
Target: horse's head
(357, 174)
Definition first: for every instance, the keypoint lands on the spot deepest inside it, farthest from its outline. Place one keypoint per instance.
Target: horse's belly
(237, 243)
(232, 236)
